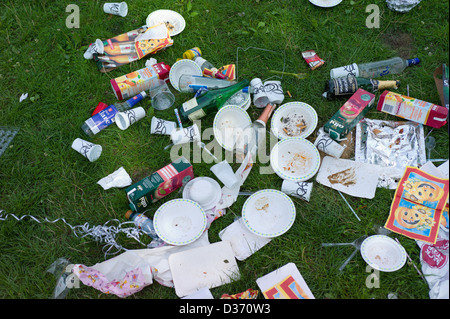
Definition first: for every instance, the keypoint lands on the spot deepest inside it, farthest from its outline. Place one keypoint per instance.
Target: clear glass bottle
(374, 69)
(105, 117)
(143, 222)
(209, 102)
(192, 83)
(346, 86)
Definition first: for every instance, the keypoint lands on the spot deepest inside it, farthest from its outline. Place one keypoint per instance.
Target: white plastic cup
(274, 91)
(344, 71)
(260, 98)
(96, 47)
(129, 117)
(160, 126)
(116, 8)
(300, 190)
(327, 145)
(89, 150)
(185, 135)
(225, 174)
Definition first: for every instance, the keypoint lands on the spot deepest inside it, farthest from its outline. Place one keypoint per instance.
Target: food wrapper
(248, 294)
(392, 145)
(418, 205)
(132, 46)
(313, 60)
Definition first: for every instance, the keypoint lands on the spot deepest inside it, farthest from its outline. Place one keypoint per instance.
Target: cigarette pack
(413, 109)
(159, 184)
(349, 115)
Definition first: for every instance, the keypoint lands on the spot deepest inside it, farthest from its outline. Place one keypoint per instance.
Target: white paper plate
(325, 3)
(295, 159)
(172, 19)
(183, 66)
(213, 192)
(228, 123)
(383, 253)
(209, 266)
(287, 115)
(268, 213)
(179, 221)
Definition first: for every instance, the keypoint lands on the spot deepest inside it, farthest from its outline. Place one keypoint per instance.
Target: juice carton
(413, 109)
(349, 115)
(159, 184)
(130, 84)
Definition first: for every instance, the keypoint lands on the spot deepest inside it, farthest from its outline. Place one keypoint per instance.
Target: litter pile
(388, 154)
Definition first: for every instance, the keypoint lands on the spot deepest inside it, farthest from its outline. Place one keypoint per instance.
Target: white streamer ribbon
(101, 233)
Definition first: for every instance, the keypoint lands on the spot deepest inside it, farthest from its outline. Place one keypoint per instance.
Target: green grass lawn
(40, 175)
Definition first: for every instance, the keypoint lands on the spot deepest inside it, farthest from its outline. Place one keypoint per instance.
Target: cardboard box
(130, 84)
(413, 109)
(349, 114)
(159, 184)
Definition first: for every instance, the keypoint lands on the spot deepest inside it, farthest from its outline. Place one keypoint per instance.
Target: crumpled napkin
(119, 178)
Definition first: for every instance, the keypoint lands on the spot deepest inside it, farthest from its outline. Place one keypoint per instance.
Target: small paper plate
(228, 123)
(179, 221)
(213, 192)
(383, 253)
(173, 20)
(268, 213)
(325, 3)
(183, 66)
(295, 159)
(285, 118)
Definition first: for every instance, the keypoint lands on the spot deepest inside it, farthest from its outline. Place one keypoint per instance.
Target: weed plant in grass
(40, 175)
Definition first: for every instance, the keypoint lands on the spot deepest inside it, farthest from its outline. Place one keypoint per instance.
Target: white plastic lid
(344, 71)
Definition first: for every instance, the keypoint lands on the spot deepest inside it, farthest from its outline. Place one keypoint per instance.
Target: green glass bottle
(348, 85)
(208, 102)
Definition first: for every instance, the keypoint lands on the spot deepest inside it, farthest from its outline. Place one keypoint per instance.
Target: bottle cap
(351, 69)
(128, 214)
(413, 61)
(143, 94)
(101, 106)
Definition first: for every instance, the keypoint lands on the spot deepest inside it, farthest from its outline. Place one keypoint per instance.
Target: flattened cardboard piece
(418, 205)
(350, 177)
(284, 283)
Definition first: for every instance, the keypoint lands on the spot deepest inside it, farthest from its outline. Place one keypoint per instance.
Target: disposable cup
(129, 117)
(116, 8)
(96, 47)
(89, 150)
(260, 98)
(161, 96)
(160, 126)
(274, 91)
(327, 145)
(225, 174)
(185, 135)
(301, 190)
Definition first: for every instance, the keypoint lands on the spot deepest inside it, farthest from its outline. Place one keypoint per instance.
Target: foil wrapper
(402, 5)
(392, 145)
